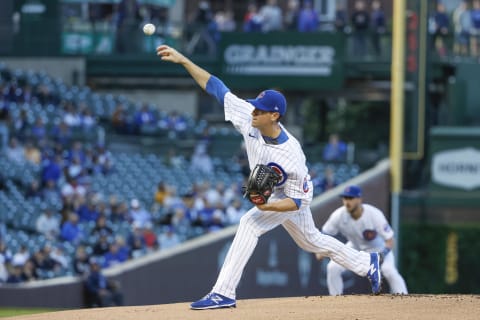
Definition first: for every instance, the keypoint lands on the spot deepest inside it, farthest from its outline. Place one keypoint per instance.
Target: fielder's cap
(352, 192)
(271, 101)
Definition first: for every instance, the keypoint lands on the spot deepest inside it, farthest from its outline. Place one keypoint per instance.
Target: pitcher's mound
(362, 307)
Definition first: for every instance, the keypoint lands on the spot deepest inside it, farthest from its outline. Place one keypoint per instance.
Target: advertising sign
(285, 60)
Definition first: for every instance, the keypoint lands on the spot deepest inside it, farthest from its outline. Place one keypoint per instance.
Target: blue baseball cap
(351, 192)
(271, 101)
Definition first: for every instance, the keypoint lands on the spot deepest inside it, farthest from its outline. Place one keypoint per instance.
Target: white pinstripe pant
(301, 227)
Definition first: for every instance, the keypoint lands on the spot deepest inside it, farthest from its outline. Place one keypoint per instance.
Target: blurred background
(116, 162)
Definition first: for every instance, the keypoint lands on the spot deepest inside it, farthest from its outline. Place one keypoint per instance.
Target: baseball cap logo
(261, 95)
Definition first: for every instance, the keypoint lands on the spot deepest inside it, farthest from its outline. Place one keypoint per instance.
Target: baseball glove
(260, 184)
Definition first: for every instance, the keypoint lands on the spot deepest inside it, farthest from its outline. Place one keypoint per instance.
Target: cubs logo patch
(369, 235)
(386, 227)
(261, 94)
(278, 169)
(305, 185)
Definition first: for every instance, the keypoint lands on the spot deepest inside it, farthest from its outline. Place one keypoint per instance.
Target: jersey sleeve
(331, 227)
(382, 225)
(238, 112)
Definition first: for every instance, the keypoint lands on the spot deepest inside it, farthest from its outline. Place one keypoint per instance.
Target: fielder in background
(366, 229)
(267, 142)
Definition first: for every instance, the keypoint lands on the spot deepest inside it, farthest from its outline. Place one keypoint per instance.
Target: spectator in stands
(44, 264)
(271, 16)
(114, 255)
(136, 241)
(252, 21)
(379, 26)
(4, 123)
(218, 218)
(72, 189)
(102, 227)
(15, 275)
(441, 31)
(168, 238)
(151, 241)
(475, 30)
(87, 211)
(335, 150)
(70, 230)
(291, 15)
(51, 193)
(201, 160)
(81, 261)
(175, 123)
(21, 126)
(87, 120)
(44, 95)
(5, 252)
(21, 256)
(15, 151)
(127, 21)
(138, 214)
(204, 27)
(71, 116)
(120, 212)
(100, 291)
(34, 190)
(119, 120)
(173, 159)
(32, 153)
(48, 224)
(234, 211)
(225, 21)
(38, 130)
(102, 245)
(144, 119)
(52, 169)
(29, 272)
(462, 24)
(74, 168)
(328, 180)
(341, 18)
(62, 261)
(180, 221)
(161, 193)
(3, 270)
(360, 20)
(62, 134)
(307, 18)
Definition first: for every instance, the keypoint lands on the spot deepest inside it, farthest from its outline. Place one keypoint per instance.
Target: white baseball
(148, 29)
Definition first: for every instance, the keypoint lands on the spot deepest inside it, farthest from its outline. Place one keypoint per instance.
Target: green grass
(12, 312)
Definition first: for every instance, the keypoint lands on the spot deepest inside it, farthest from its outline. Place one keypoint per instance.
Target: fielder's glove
(260, 184)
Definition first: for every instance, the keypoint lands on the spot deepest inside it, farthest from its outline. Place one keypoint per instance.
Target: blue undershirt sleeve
(216, 88)
(298, 202)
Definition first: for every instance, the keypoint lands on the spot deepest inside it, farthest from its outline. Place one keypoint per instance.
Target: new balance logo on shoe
(372, 269)
(217, 299)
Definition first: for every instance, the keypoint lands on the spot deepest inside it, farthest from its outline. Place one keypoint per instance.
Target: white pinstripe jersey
(367, 233)
(287, 157)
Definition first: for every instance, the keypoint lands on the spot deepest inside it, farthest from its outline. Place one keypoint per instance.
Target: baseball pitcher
(268, 143)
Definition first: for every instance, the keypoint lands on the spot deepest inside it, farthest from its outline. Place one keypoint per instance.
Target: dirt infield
(358, 307)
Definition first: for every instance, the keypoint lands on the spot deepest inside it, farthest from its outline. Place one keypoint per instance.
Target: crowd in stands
(454, 29)
(462, 24)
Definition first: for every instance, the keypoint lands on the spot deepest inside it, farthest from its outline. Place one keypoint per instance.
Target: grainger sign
(285, 60)
(273, 60)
